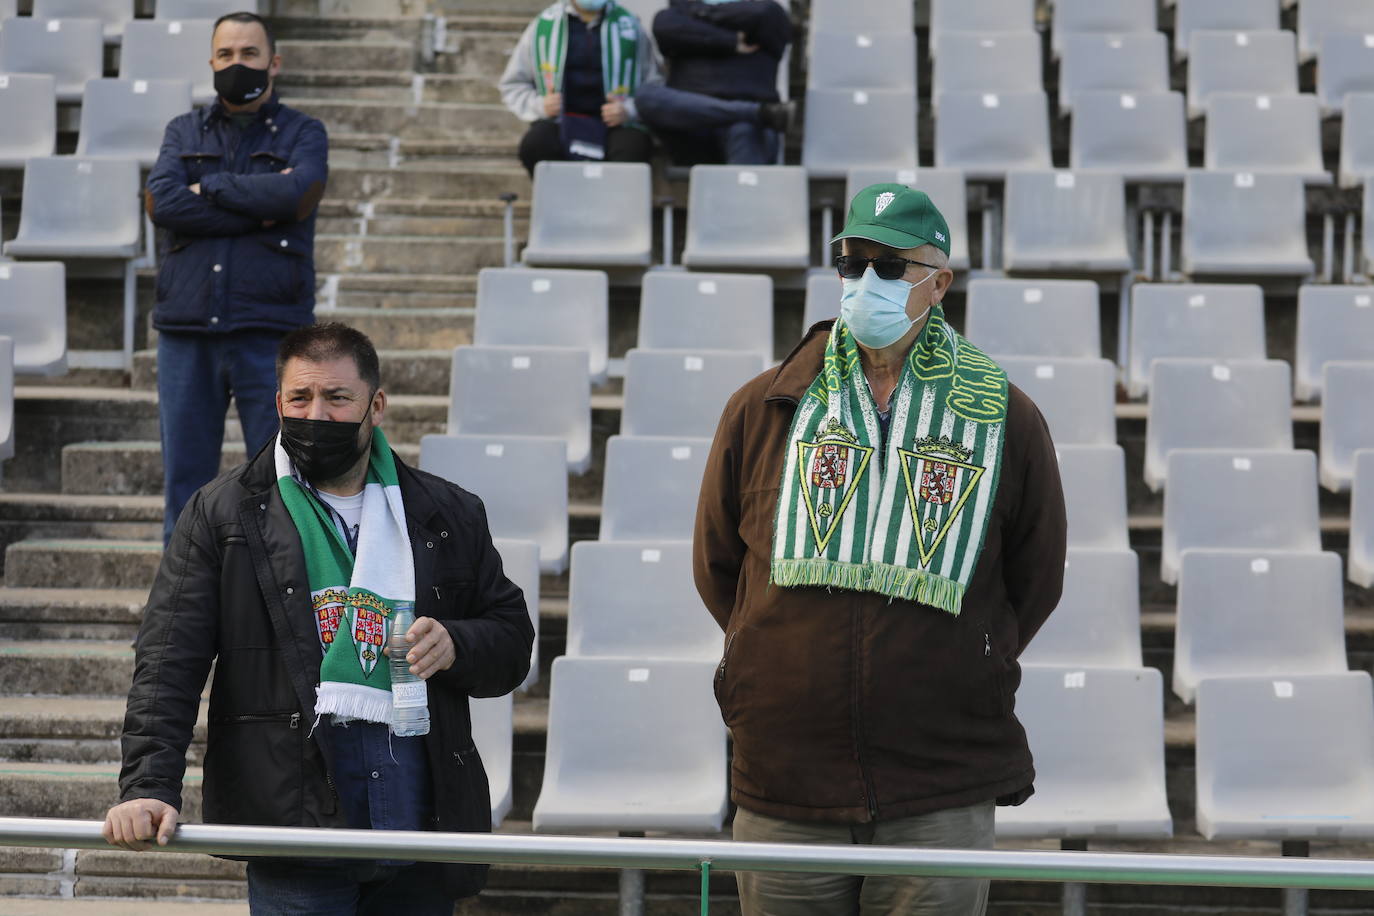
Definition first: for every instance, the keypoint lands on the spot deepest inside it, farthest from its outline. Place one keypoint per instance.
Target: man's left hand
(195, 188)
(431, 648)
(613, 112)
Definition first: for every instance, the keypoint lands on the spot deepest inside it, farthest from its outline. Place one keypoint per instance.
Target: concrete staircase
(420, 153)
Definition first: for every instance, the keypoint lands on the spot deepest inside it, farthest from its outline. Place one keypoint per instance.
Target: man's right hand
(553, 104)
(134, 824)
(742, 45)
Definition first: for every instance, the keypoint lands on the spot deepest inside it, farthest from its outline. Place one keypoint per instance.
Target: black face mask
(323, 449)
(240, 84)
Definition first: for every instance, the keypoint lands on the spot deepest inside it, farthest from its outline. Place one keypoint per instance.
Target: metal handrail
(1026, 865)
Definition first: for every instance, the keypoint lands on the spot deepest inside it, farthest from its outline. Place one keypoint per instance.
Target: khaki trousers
(799, 894)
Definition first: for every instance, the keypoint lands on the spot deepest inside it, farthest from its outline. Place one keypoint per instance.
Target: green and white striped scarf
(905, 518)
(619, 49)
(353, 597)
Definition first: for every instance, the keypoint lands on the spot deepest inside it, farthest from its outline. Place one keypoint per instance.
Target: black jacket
(221, 269)
(232, 590)
(698, 40)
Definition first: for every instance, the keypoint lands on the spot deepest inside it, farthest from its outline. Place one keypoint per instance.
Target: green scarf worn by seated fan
(353, 597)
(905, 518)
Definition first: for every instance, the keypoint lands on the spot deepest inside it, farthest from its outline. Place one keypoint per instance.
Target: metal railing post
(668, 241)
(1075, 892)
(1295, 898)
(508, 229)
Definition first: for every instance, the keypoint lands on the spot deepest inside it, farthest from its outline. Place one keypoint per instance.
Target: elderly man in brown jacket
(880, 533)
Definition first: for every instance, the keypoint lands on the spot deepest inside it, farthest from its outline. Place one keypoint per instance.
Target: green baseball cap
(896, 216)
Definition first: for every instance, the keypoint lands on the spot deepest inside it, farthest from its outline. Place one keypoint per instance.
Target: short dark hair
(246, 17)
(320, 343)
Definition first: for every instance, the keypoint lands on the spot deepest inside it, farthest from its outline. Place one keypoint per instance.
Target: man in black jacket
(720, 103)
(235, 590)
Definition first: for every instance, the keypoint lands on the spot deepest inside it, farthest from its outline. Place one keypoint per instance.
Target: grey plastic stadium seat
(979, 16)
(126, 119)
(1347, 65)
(493, 731)
(852, 59)
(522, 481)
(33, 315)
(1245, 223)
(1347, 420)
(114, 15)
(991, 61)
(1199, 321)
(857, 127)
(540, 307)
(1287, 757)
(6, 398)
(1077, 396)
(201, 9)
(681, 392)
(169, 49)
(1239, 499)
(1193, 16)
(1034, 317)
(1136, 63)
(1368, 235)
(524, 391)
(1203, 403)
(1262, 133)
(608, 615)
(70, 50)
(989, 134)
(1121, 17)
(570, 224)
(1237, 616)
(8, 9)
(1142, 137)
(633, 745)
(834, 16)
(520, 562)
(1262, 63)
(823, 291)
(1362, 519)
(90, 209)
(1094, 480)
(1065, 222)
(28, 109)
(697, 311)
(946, 189)
(1334, 323)
(1097, 736)
(748, 217)
(1357, 139)
(1318, 19)
(651, 487)
(1097, 622)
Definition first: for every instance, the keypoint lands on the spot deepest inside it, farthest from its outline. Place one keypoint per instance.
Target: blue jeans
(703, 128)
(278, 887)
(197, 374)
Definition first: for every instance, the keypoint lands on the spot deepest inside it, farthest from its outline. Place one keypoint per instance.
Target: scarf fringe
(918, 585)
(353, 701)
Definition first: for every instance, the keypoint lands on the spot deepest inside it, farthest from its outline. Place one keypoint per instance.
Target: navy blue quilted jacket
(240, 254)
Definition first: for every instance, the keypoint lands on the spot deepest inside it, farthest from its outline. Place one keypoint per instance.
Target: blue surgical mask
(874, 309)
(592, 6)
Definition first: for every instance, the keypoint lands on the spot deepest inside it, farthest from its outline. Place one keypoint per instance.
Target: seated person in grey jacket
(575, 74)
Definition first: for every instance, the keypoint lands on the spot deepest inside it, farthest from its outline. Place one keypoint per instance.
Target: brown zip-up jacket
(847, 706)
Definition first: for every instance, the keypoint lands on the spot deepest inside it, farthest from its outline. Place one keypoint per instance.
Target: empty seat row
(116, 15)
(120, 118)
(71, 51)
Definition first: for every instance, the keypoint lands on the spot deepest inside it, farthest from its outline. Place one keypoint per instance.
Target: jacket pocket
(270, 272)
(989, 694)
(198, 165)
(254, 769)
(722, 672)
(265, 162)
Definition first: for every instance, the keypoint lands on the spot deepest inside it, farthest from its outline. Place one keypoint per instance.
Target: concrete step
(70, 613)
(303, 57)
(69, 729)
(67, 667)
(97, 905)
(477, 179)
(385, 291)
(403, 254)
(481, 54)
(395, 87)
(76, 790)
(432, 120)
(478, 225)
(102, 563)
(454, 88)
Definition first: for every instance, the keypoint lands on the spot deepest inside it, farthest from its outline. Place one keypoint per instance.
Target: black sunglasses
(887, 267)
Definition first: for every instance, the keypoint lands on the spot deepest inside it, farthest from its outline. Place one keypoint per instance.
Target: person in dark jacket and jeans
(235, 189)
(880, 534)
(720, 102)
(244, 586)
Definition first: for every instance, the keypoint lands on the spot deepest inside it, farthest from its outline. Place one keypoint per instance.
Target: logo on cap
(884, 199)
(940, 236)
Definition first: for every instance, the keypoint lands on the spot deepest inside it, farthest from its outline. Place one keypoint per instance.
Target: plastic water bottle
(409, 695)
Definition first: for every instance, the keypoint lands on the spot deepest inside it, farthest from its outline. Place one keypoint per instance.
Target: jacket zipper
(293, 719)
(725, 657)
(870, 801)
